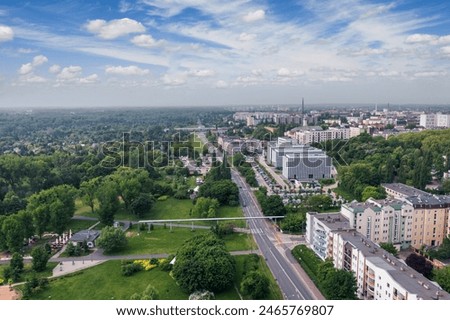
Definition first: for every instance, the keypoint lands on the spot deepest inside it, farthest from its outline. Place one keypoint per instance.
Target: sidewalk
(68, 267)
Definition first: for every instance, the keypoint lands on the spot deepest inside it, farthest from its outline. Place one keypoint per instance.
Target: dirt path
(6, 294)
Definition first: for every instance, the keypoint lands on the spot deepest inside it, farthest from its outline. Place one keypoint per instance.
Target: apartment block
(379, 275)
(382, 220)
(435, 120)
(308, 135)
(430, 219)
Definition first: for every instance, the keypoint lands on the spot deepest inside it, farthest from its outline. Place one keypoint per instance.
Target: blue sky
(215, 52)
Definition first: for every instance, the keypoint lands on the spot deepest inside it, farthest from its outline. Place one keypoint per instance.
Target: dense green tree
(203, 263)
(205, 207)
(389, 247)
(443, 252)
(255, 285)
(112, 239)
(109, 204)
(13, 233)
(15, 268)
(373, 192)
(293, 222)
(52, 208)
(26, 220)
(225, 191)
(131, 183)
(271, 205)
(340, 285)
(320, 202)
(446, 186)
(40, 257)
(442, 276)
(88, 191)
(142, 204)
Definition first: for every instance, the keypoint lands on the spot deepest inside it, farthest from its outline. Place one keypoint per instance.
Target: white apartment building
(379, 275)
(435, 120)
(382, 220)
(308, 135)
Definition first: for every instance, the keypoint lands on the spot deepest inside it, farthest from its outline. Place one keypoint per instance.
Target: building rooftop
(404, 190)
(333, 221)
(408, 278)
(85, 235)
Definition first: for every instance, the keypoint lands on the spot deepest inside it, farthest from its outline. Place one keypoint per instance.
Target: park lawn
(105, 282)
(83, 210)
(77, 225)
(159, 240)
(239, 242)
(232, 212)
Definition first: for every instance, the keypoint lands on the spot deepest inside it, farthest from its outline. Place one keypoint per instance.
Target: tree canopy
(203, 263)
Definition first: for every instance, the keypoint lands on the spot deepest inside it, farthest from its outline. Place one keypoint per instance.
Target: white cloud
(127, 71)
(39, 60)
(429, 74)
(32, 78)
(284, 72)
(446, 50)
(146, 41)
(247, 36)
(115, 28)
(221, 84)
(254, 16)
(173, 80)
(70, 73)
(6, 33)
(202, 73)
(428, 39)
(420, 38)
(25, 50)
(28, 68)
(368, 52)
(89, 79)
(54, 69)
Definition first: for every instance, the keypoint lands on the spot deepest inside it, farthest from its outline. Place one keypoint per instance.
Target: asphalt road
(264, 233)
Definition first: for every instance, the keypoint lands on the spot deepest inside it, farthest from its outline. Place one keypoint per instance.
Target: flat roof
(397, 269)
(333, 221)
(404, 189)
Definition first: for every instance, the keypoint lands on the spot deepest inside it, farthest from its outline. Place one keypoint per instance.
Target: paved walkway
(68, 267)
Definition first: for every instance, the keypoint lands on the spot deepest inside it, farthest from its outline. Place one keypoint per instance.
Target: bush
(255, 285)
(130, 268)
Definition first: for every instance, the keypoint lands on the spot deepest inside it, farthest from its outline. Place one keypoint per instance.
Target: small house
(85, 235)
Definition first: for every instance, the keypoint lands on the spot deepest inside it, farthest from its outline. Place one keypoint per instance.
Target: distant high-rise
(303, 107)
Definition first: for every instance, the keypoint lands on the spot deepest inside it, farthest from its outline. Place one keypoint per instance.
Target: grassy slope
(105, 282)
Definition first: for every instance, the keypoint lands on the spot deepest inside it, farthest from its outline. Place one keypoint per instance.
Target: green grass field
(168, 209)
(239, 242)
(161, 240)
(105, 282)
(77, 225)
